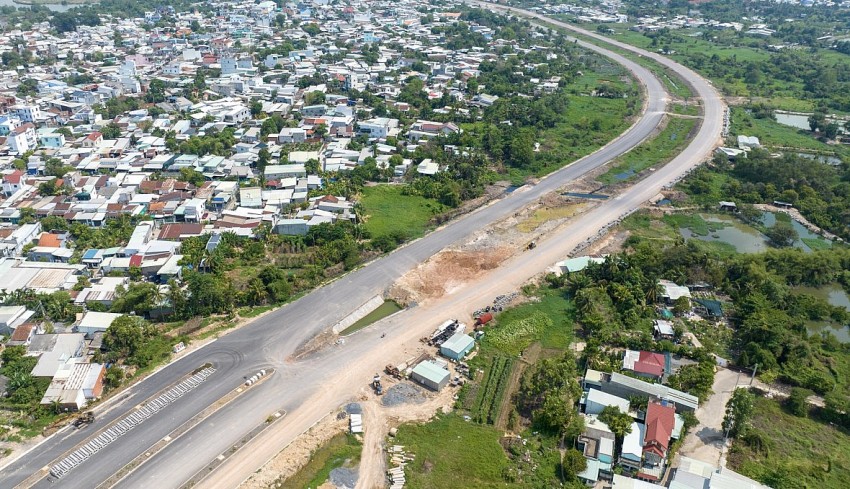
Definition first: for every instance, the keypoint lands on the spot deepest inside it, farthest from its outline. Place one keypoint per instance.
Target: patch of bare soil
(320, 341)
(377, 422)
(430, 280)
(610, 243)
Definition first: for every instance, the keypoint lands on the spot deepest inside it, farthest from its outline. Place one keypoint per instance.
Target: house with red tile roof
(12, 182)
(93, 140)
(660, 422)
(645, 363)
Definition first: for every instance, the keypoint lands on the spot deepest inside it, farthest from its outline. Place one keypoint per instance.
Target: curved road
(310, 388)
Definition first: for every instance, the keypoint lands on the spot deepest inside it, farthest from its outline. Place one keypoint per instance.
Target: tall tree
(739, 413)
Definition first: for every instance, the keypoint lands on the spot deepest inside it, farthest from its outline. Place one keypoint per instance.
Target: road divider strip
(181, 430)
(209, 469)
(124, 425)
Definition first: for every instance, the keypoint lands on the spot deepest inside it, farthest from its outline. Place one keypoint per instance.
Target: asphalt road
(305, 388)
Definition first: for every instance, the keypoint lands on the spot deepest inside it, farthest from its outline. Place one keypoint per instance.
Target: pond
(801, 121)
(805, 236)
(744, 238)
(747, 239)
(581, 195)
(836, 296)
(829, 160)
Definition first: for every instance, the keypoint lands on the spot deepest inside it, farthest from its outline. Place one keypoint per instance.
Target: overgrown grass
(655, 151)
(343, 450)
(588, 124)
(685, 109)
(451, 452)
(382, 311)
(386, 209)
(553, 327)
(817, 243)
(796, 452)
(544, 215)
(252, 312)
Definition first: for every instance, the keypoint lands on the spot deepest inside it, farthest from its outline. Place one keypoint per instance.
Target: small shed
(727, 206)
(663, 329)
(430, 375)
(457, 346)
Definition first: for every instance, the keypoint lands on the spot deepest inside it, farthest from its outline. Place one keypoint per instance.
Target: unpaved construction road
(317, 384)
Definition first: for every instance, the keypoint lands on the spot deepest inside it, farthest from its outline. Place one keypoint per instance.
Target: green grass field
(655, 151)
(343, 450)
(386, 209)
(451, 452)
(798, 452)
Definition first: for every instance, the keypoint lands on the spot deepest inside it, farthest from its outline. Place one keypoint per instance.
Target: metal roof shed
(430, 375)
(457, 346)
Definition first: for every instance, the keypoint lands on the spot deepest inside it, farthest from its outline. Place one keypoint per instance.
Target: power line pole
(755, 370)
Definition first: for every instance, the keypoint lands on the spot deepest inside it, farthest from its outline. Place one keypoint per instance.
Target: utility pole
(755, 370)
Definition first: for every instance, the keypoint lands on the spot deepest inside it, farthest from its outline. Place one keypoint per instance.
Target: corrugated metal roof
(657, 390)
(458, 343)
(431, 371)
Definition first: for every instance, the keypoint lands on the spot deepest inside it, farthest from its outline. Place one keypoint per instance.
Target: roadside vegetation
(655, 152)
(343, 450)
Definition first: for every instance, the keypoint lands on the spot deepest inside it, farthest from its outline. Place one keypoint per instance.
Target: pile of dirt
(430, 280)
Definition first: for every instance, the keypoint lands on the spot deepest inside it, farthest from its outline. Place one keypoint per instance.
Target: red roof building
(650, 363)
(14, 177)
(660, 422)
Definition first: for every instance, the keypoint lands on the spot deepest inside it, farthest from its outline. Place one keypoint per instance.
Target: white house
(28, 113)
(377, 128)
(22, 139)
(93, 322)
(13, 316)
(595, 401)
(140, 237)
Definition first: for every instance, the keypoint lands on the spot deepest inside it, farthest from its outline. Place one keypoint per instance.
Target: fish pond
(744, 238)
(836, 296)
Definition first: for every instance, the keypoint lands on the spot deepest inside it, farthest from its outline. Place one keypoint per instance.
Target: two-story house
(660, 423)
(22, 139)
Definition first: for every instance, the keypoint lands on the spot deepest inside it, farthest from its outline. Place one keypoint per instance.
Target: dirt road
(705, 441)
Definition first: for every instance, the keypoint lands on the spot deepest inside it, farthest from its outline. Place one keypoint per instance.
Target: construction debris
(446, 331)
(398, 460)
